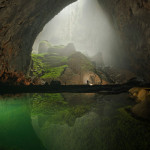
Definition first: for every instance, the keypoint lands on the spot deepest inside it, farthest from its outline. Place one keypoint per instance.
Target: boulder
(43, 47)
(63, 50)
(139, 94)
(142, 109)
(142, 96)
(38, 81)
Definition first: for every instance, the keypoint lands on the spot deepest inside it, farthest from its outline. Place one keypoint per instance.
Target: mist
(86, 25)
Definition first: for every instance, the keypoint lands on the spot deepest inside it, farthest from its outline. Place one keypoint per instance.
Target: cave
(84, 106)
(76, 46)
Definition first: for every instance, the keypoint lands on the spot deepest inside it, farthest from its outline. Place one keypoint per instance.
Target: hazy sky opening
(85, 24)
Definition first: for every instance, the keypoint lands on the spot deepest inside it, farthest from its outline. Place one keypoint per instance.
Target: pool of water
(70, 121)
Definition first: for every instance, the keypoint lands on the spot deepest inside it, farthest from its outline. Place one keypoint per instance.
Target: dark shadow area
(118, 88)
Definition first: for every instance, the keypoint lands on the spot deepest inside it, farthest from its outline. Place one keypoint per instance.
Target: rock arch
(21, 21)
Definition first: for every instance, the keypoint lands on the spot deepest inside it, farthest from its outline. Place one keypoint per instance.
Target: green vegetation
(70, 122)
(49, 65)
(107, 127)
(48, 44)
(54, 73)
(57, 108)
(54, 60)
(38, 65)
(47, 103)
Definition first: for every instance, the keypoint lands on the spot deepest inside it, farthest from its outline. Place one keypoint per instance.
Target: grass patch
(54, 60)
(48, 65)
(38, 65)
(54, 72)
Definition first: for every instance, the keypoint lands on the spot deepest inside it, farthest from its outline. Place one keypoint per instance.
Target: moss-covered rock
(55, 64)
(80, 70)
(63, 50)
(43, 47)
(48, 65)
(54, 60)
(38, 65)
(54, 72)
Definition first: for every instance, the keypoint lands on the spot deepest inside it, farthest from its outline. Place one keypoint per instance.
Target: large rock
(139, 93)
(79, 63)
(80, 71)
(75, 69)
(63, 50)
(43, 47)
(142, 109)
(71, 78)
(142, 96)
(69, 49)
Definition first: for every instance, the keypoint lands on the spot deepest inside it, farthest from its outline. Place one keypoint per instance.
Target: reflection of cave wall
(21, 21)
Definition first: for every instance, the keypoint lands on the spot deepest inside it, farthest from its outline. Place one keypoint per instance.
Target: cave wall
(21, 21)
(131, 19)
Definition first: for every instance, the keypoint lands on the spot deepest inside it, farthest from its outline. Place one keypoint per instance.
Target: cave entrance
(83, 23)
(74, 45)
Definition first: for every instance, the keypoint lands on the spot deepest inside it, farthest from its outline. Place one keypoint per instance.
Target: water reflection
(87, 121)
(61, 108)
(64, 121)
(70, 121)
(16, 131)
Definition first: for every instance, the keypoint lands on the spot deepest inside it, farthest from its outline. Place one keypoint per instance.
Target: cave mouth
(19, 31)
(76, 47)
(85, 24)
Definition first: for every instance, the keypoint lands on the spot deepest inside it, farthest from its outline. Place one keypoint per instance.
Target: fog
(85, 24)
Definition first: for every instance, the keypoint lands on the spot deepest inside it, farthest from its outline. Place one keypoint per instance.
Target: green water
(70, 121)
